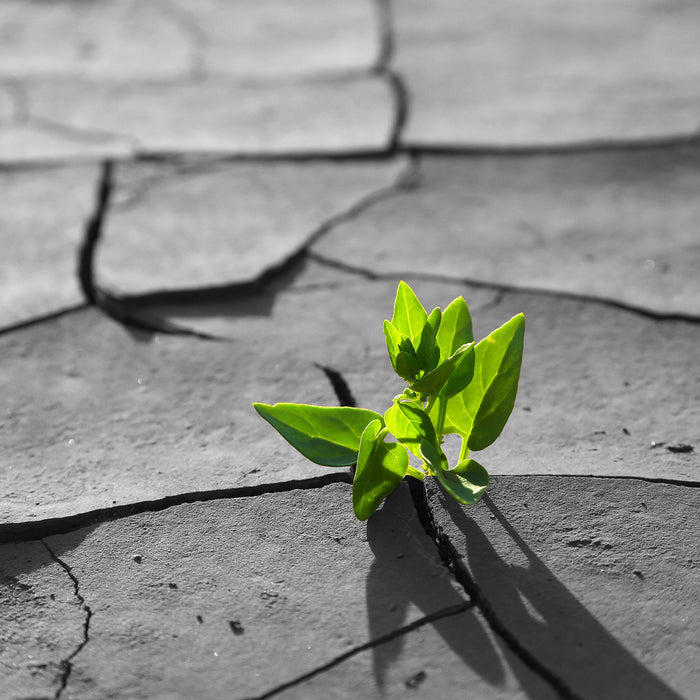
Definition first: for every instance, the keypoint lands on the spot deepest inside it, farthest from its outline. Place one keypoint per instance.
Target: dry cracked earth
(205, 205)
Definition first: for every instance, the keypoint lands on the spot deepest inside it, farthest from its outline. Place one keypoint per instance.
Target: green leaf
(327, 435)
(433, 456)
(455, 328)
(427, 354)
(406, 366)
(380, 467)
(466, 483)
(409, 315)
(480, 411)
(393, 340)
(410, 424)
(453, 374)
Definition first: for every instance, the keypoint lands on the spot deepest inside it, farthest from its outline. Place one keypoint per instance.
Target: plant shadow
(549, 621)
(407, 573)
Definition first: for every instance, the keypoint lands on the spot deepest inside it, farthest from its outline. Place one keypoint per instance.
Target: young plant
(454, 386)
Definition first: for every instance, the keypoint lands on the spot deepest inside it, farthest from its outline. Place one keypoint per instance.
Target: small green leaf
(380, 467)
(393, 340)
(409, 314)
(466, 483)
(480, 411)
(410, 424)
(455, 372)
(427, 353)
(455, 328)
(327, 435)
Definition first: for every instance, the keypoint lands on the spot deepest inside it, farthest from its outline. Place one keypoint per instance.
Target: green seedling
(454, 386)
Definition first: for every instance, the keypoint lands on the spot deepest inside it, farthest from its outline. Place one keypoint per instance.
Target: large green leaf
(480, 411)
(380, 467)
(466, 483)
(410, 424)
(327, 435)
(453, 374)
(409, 315)
(455, 328)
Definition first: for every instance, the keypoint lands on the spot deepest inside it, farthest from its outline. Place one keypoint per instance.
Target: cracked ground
(208, 204)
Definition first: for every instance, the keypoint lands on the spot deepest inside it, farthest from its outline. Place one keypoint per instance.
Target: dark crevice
(340, 386)
(93, 230)
(384, 639)
(454, 562)
(503, 288)
(67, 663)
(22, 532)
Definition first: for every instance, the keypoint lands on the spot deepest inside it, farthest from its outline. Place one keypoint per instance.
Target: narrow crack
(43, 318)
(189, 26)
(22, 532)
(454, 562)
(503, 288)
(340, 386)
(572, 148)
(384, 639)
(67, 663)
(383, 67)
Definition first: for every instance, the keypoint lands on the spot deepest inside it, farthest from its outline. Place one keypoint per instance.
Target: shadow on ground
(549, 621)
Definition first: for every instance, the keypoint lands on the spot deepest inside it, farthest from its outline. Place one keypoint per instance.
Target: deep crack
(67, 663)
(340, 386)
(455, 564)
(373, 643)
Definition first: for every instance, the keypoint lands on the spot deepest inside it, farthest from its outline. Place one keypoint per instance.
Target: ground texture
(208, 204)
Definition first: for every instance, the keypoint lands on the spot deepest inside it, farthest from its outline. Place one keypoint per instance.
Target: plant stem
(464, 450)
(442, 411)
(430, 404)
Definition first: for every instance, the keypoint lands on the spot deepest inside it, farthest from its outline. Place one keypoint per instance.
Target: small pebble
(415, 681)
(172, 585)
(137, 558)
(199, 619)
(236, 627)
(638, 574)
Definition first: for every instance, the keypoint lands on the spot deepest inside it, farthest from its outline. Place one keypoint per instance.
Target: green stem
(464, 451)
(442, 412)
(430, 404)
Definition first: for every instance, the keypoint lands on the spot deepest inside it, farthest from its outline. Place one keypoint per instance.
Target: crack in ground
(195, 34)
(340, 386)
(22, 532)
(384, 639)
(67, 663)
(502, 288)
(125, 309)
(455, 564)
(574, 148)
(43, 318)
(112, 305)
(384, 68)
